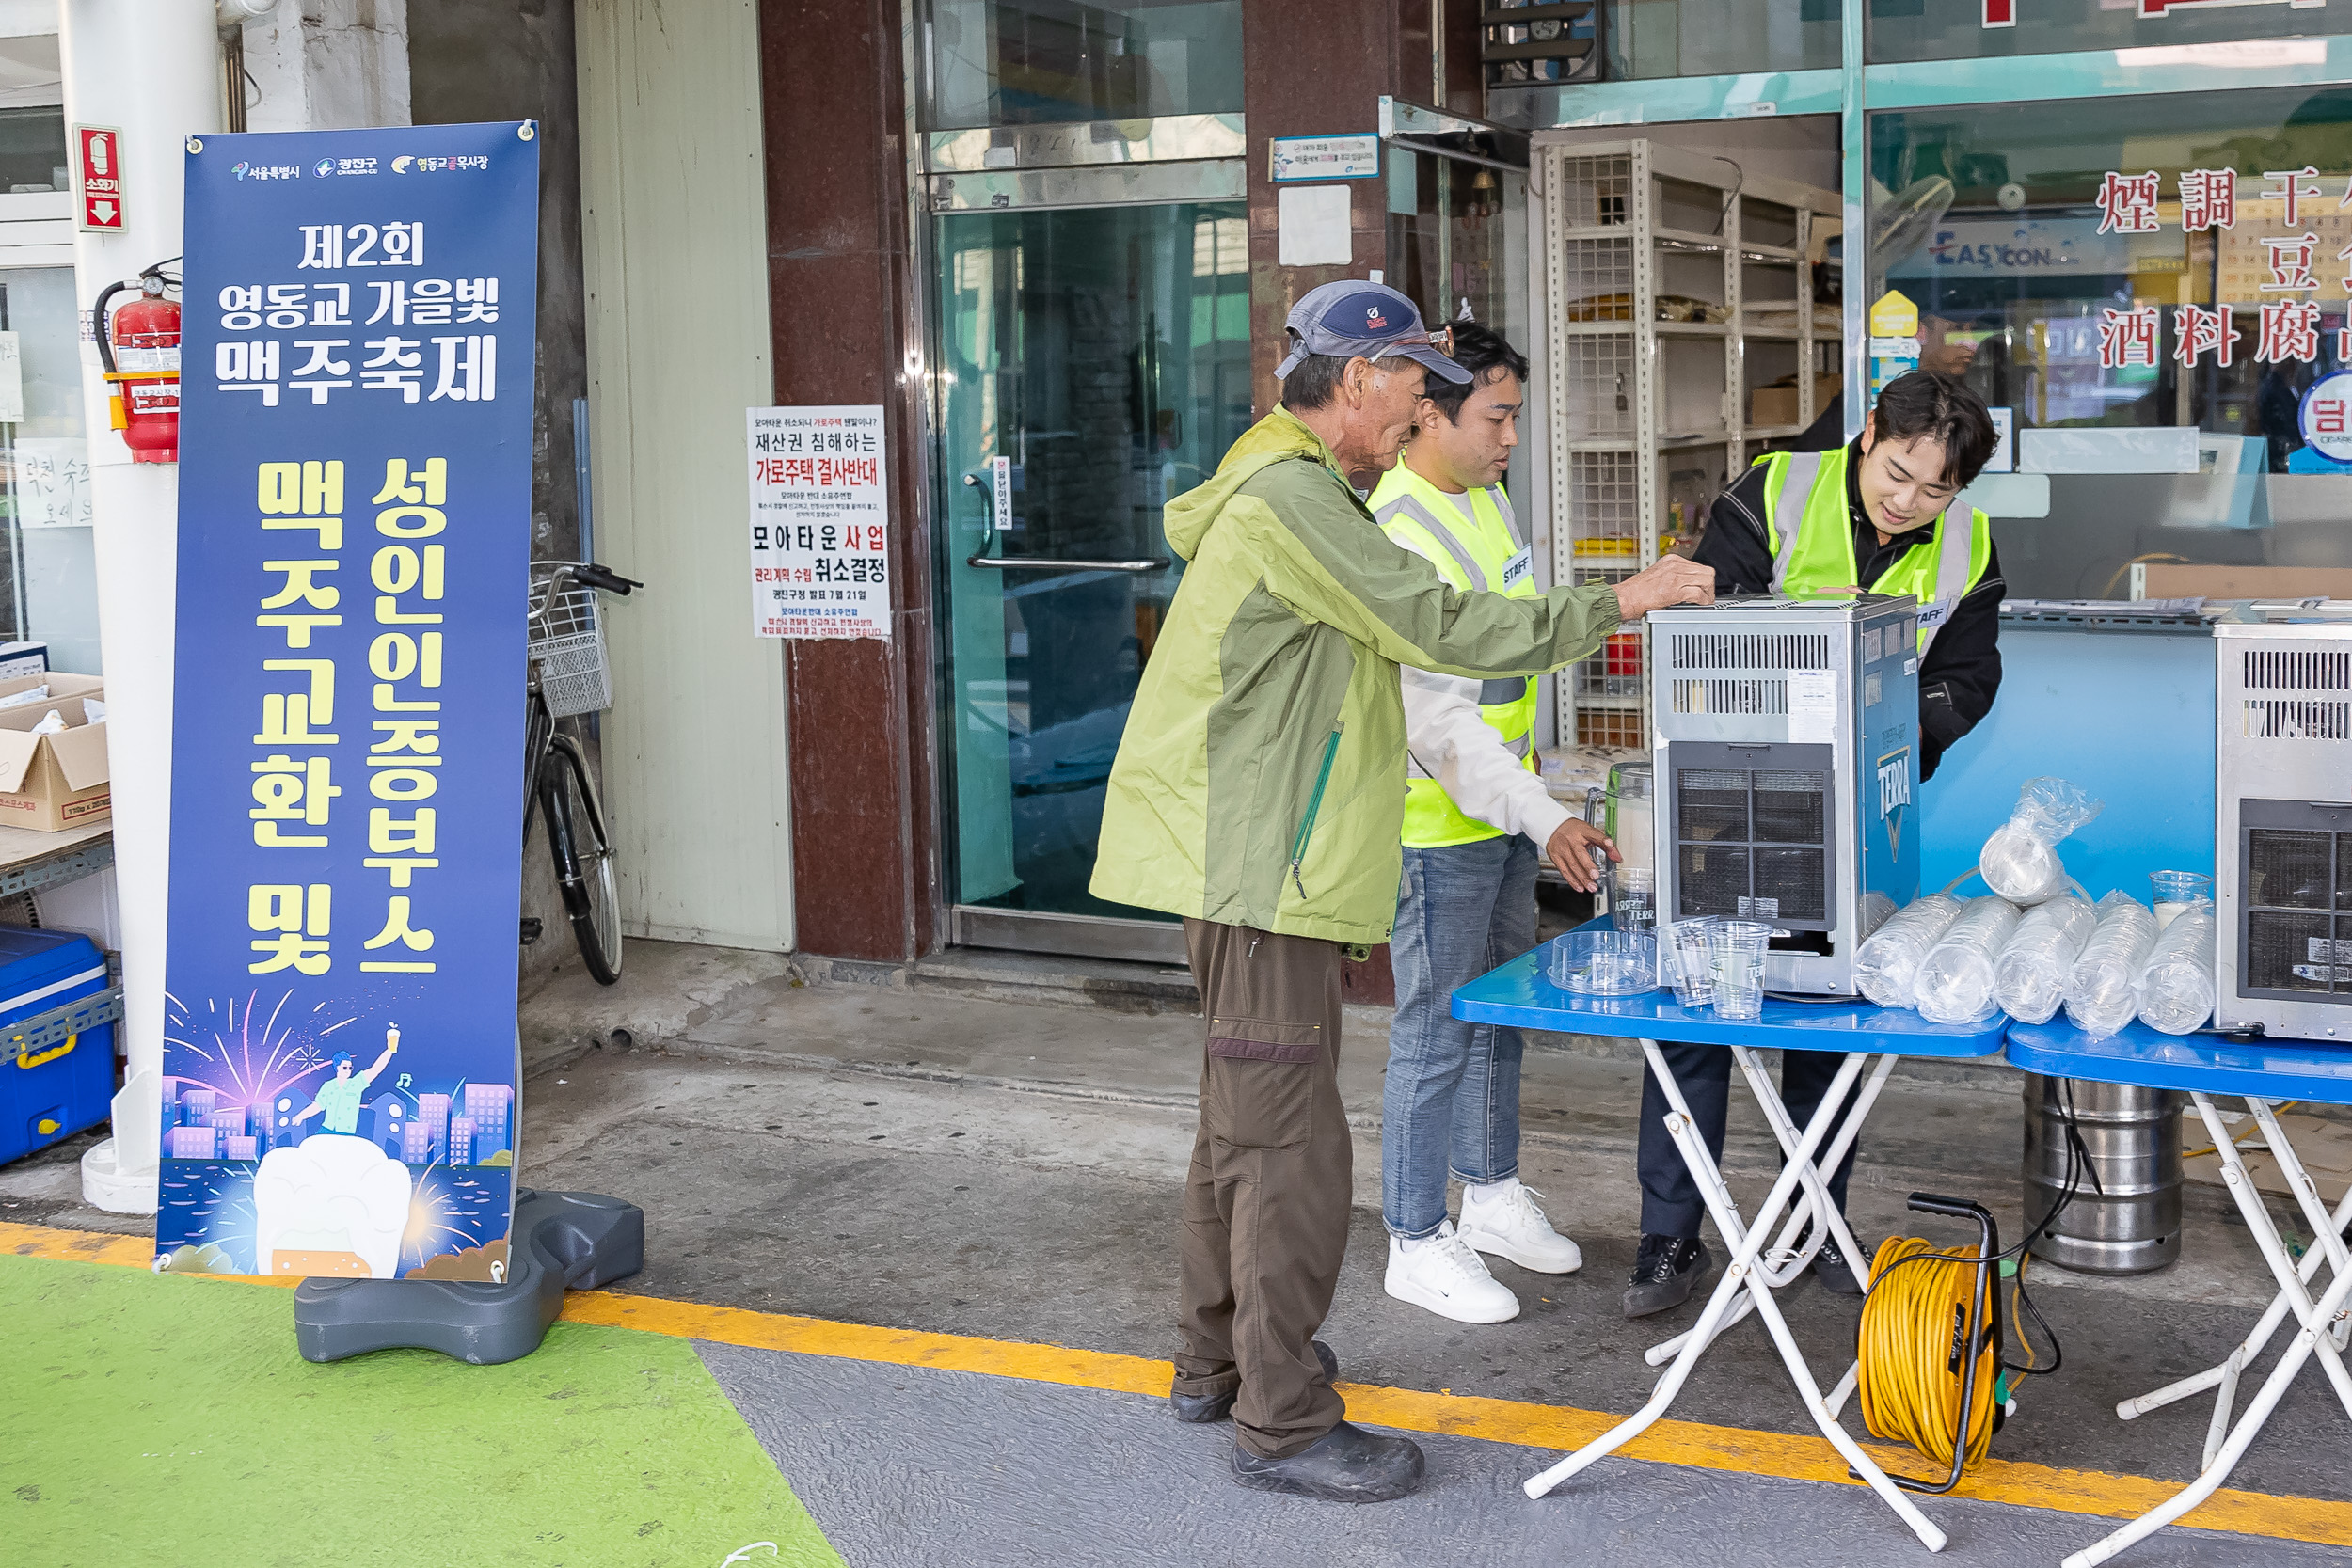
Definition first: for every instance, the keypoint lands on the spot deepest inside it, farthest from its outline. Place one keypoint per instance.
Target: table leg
(2313, 1337)
(2209, 1481)
(1742, 1279)
(1817, 1192)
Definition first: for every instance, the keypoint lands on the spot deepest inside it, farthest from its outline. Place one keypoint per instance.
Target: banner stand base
(561, 1241)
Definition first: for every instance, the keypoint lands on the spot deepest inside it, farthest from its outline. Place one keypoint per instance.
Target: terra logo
(322, 168)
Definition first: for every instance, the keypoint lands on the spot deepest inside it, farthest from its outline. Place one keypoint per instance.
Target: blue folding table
(2264, 1073)
(1520, 995)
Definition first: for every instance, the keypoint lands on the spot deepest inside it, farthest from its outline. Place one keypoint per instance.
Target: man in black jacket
(1928, 439)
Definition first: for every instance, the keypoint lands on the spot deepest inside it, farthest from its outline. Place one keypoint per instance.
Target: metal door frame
(1167, 162)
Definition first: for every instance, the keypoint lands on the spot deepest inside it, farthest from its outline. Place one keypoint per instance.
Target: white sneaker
(1446, 1276)
(1512, 1225)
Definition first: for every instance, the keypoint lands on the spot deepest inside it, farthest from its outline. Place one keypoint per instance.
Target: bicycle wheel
(582, 847)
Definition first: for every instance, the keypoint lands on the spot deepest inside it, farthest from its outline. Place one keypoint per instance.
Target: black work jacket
(1962, 673)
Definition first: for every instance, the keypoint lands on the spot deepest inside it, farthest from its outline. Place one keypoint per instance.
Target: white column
(153, 69)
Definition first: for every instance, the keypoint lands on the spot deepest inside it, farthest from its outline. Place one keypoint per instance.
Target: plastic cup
(2176, 891)
(1633, 898)
(1690, 954)
(1605, 963)
(1738, 950)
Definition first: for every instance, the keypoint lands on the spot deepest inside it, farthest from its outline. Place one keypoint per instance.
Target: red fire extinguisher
(139, 348)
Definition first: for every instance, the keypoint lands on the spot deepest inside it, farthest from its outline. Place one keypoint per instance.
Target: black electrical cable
(2078, 1165)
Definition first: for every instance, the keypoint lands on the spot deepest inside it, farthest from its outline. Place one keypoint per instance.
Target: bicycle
(569, 677)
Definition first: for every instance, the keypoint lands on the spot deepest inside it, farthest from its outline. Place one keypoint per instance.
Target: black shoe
(1202, 1409)
(1835, 1273)
(1664, 1272)
(1347, 1465)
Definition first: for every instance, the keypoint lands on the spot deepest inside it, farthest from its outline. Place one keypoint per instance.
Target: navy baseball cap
(1349, 320)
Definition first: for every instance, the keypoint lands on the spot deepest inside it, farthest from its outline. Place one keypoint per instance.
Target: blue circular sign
(2326, 418)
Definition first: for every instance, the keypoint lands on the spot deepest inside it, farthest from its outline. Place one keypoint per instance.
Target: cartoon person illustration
(338, 1097)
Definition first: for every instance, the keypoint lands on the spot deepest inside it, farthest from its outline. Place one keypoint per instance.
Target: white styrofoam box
(90, 906)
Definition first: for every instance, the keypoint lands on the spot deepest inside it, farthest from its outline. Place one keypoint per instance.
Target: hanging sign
(1324, 157)
(2003, 14)
(821, 516)
(340, 1063)
(97, 178)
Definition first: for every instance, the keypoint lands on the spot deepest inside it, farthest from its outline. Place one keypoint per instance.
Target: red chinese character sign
(820, 523)
(340, 1088)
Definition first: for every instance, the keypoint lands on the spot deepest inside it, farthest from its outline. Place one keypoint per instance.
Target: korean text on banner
(820, 537)
(340, 1059)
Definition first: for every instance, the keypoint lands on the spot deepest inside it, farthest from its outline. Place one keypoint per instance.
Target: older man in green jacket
(1260, 794)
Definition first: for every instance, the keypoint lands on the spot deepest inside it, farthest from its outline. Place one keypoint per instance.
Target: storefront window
(32, 151)
(1718, 38)
(1454, 229)
(2154, 291)
(1967, 29)
(1033, 62)
(48, 568)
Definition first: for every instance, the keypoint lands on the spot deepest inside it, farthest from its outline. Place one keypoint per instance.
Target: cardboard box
(1776, 404)
(52, 782)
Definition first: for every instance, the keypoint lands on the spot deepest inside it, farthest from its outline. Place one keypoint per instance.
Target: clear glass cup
(1690, 954)
(1633, 898)
(1738, 950)
(2173, 893)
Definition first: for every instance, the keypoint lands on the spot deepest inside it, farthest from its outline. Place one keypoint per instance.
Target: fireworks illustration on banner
(244, 1069)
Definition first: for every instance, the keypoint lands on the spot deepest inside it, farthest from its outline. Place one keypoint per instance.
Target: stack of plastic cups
(1689, 951)
(1738, 949)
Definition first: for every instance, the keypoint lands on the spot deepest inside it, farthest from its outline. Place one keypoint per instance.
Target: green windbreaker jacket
(1261, 779)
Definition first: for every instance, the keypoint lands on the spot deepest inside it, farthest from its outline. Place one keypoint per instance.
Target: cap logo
(1372, 317)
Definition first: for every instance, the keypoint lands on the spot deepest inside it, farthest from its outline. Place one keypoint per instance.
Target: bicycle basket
(567, 645)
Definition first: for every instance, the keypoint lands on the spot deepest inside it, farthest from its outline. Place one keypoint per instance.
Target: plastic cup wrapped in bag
(2177, 989)
(2020, 861)
(1954, 982)
(1889, 958)
(2103, 988)
(2029, 978)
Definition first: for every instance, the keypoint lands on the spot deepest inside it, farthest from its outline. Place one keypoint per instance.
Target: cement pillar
(153, 69)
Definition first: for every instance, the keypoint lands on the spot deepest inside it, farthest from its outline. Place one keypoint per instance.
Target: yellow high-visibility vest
(1491, 557)
(1818, 553)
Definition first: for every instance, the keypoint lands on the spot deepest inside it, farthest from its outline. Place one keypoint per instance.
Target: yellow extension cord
(1910, 1324)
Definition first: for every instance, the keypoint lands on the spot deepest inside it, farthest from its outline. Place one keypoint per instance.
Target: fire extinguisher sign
(97, 178)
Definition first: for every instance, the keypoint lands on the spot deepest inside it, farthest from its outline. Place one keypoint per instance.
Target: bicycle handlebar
(586, 572)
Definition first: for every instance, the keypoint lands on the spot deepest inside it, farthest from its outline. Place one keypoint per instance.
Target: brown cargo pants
(1267, 1202)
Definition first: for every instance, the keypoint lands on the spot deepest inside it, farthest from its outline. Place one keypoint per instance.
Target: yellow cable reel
(1913, 1345)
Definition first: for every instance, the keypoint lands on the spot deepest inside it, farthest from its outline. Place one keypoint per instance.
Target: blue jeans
(1452, 1100)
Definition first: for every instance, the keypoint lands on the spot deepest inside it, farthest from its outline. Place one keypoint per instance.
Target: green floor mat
(163, 1419)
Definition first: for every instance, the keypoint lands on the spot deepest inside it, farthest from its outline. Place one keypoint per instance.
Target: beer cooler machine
(2282, 829)
(1785, 736)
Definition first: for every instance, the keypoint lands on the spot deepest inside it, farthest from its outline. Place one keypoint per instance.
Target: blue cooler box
(59, 1090)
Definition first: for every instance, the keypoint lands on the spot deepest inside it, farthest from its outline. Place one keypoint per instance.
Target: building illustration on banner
(341, 1061)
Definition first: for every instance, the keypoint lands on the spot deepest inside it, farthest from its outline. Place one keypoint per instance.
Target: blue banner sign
(339, 1060)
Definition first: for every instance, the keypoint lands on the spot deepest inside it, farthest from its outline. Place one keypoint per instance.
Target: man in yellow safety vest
(1876, 514)
(1475, 814)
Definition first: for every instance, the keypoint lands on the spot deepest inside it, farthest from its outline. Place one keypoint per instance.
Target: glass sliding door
(1092, 363)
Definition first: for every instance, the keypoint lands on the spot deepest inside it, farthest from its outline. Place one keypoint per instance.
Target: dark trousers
(1671, 1205)
(1266, 1201)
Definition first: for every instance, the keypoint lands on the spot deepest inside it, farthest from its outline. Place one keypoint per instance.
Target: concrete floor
(949, 1158)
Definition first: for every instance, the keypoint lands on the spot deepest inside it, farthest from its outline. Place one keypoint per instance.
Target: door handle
(1061, 563)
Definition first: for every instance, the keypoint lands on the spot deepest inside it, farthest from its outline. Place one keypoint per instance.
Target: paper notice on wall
(1812, 706)
(1312, 227)
(53, 482)
(12, 381)
(820, 525)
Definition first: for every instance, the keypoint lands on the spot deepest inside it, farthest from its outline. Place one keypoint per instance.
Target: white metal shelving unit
(1646, 414)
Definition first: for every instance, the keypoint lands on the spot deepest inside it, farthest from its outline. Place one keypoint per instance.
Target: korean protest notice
(340, 1089)
(820, 524)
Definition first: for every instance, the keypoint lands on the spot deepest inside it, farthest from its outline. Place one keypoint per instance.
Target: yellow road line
(1733, 1449)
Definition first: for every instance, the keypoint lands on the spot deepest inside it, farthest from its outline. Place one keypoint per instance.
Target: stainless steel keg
(2130, 1221)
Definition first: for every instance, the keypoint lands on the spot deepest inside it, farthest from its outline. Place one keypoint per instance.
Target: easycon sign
(2003, 14)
